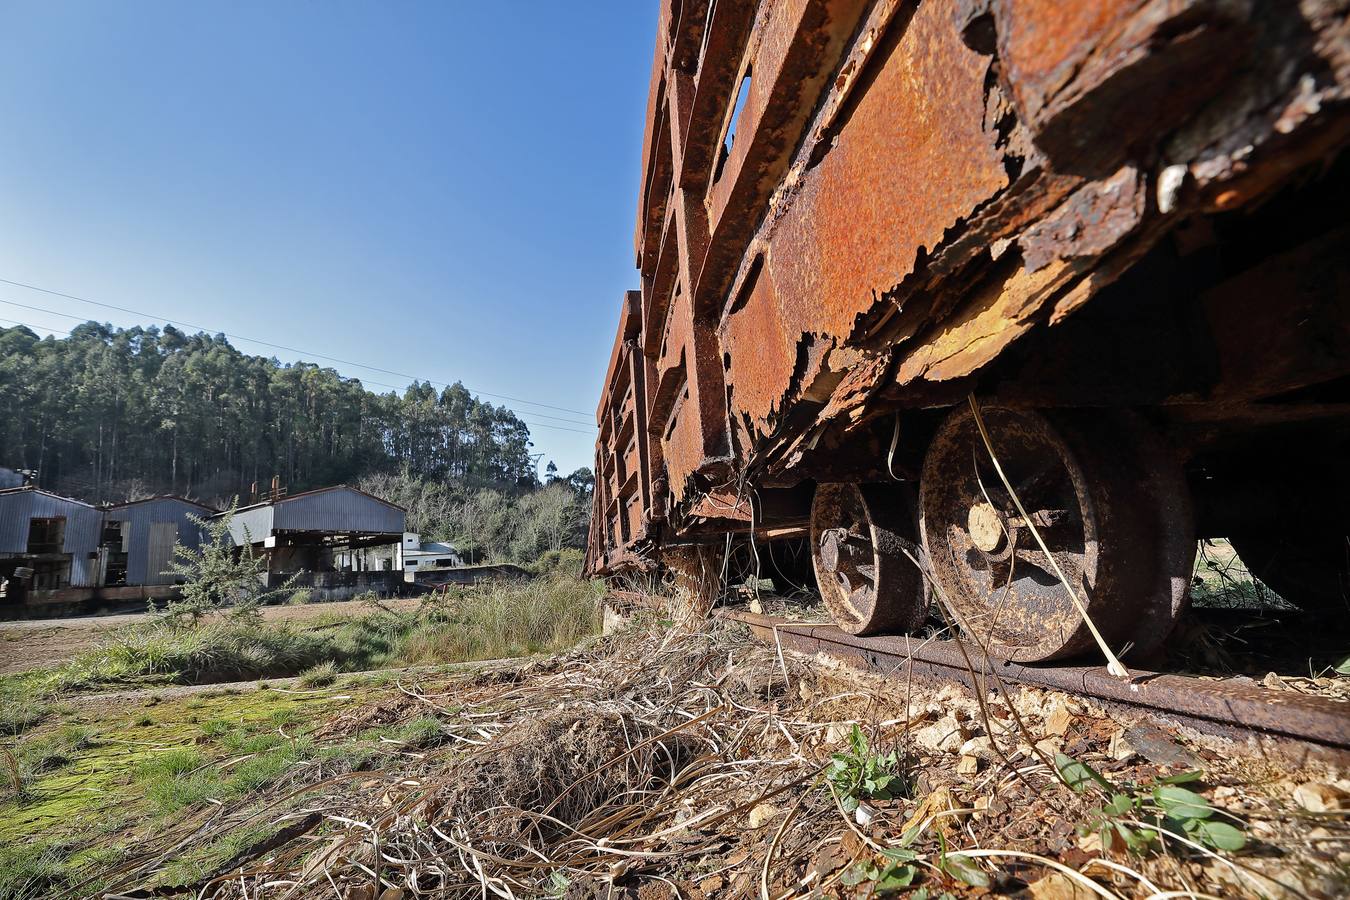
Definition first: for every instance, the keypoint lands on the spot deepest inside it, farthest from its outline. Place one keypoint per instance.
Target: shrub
(214, 652)
(565, 562)
(322, 675)
(217, 579)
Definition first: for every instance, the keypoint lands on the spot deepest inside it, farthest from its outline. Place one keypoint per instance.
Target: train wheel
(1110, 504)
(859, 538)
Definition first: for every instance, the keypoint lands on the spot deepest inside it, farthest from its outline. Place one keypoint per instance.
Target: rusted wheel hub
(859, 534)
(1108, 505)
(987, 527)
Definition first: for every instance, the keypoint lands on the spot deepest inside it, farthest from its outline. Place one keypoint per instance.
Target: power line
(68, 333)
(37, 327)
(237, 337)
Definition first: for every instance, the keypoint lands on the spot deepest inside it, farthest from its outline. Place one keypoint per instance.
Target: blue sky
(443, 189)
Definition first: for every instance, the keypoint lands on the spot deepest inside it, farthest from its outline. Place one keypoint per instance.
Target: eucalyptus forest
(109, 414)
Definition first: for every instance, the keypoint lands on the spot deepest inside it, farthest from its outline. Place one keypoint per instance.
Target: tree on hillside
(107, 408)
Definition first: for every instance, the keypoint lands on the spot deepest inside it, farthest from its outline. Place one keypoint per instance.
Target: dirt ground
(669, 764)
(41, 643)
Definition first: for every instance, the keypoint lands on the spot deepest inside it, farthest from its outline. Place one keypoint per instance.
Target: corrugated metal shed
(146, 559)
(18, 508)
(251, 524)
(342, 510)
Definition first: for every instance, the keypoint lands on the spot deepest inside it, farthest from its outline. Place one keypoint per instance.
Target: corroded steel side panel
(910, 163)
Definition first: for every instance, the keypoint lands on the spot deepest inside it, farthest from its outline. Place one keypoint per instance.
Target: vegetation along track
(1235, 708)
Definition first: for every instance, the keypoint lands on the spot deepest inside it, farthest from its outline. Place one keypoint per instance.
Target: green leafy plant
(1134, 816)
(862, 774)
(557, 885)
(219, 578)
(891, 873)
(960, 866)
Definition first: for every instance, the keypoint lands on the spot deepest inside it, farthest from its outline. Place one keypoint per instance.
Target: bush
(508, 619)
(217, 578)
(565, 562)
(322, 675)
(214, 652)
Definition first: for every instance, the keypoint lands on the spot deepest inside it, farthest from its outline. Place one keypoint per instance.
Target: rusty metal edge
(1226, 708)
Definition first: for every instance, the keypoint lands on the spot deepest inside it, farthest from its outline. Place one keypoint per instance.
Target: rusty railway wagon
(1018, 294)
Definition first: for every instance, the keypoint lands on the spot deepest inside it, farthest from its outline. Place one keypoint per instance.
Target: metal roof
(175, 497)
(335, 487)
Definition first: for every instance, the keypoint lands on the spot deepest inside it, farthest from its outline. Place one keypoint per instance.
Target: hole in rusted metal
(730, 138)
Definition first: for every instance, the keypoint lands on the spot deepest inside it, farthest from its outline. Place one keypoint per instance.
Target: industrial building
(139, 537)
(62, 555)
(308, 538)
(410, 556)
(47, 542)
(56, 552)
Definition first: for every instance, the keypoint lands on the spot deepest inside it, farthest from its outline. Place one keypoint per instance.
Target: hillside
(111, 414)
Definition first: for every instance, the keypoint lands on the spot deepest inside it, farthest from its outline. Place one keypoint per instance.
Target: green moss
(99, 783)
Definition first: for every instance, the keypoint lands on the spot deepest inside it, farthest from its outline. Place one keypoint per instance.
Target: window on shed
(46, 535)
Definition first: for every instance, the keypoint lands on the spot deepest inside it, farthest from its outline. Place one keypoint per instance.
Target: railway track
(1235, 708)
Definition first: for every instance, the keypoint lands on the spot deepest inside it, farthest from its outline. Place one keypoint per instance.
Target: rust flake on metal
(1092, 78)
(1092, 221)
(993, 319)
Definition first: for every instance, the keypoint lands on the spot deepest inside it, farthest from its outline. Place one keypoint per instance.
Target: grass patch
(507, 619)
(484, 622)
(320, 676)
(1221, 581)
(37, 755)
(32, 870)
(216, 651)
(184, 778)
(176, 779)
(424, 731)
(199, 863)
(25, 702)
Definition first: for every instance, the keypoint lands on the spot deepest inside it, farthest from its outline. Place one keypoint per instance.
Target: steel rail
(1229, 707)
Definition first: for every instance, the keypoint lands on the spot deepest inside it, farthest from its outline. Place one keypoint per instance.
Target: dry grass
(488, 621)
(690, 763)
